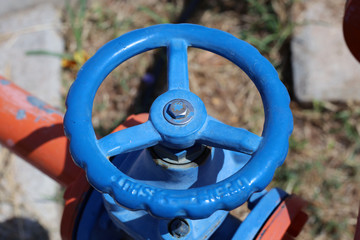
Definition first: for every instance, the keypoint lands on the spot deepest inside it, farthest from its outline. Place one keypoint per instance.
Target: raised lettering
(220, 191)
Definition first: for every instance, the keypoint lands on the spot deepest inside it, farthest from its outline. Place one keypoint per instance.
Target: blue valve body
(114, 221)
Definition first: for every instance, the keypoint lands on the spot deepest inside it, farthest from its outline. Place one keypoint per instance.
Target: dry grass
(15, 227)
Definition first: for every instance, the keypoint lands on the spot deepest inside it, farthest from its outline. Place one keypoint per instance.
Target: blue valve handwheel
(267, 152)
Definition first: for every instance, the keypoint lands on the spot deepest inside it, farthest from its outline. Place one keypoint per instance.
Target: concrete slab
(26, 192)
(11, 6)
(323, 67)
(32, 29)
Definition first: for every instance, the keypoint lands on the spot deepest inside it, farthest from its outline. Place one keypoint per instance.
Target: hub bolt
(177, 109)
(178, 112)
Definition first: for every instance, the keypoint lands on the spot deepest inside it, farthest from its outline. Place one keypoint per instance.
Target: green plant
(350, 129)
(269, 27)
(153, 15)
(318, 106)
(78, 57)
(77, 19)
(297, 145)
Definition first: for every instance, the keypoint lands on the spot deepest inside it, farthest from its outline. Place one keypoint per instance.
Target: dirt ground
(323, 164)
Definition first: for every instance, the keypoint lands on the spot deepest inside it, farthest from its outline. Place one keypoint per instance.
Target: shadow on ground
(18, 228)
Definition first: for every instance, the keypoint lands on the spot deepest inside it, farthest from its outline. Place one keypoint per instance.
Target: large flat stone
(32, 29)
(323, 67)
(11, 6)
(33, 195)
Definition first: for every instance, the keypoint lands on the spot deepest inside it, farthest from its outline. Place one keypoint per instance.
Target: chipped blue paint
(21, 114)
(41, 105)
(4, 82)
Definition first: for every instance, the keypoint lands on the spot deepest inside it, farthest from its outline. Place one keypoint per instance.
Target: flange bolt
(179, 228)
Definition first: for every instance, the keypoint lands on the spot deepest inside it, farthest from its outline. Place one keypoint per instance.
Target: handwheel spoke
(129, 139)
(220, 135)
(178, 77)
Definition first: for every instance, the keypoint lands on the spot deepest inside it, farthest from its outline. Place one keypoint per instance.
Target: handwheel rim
(193, 203)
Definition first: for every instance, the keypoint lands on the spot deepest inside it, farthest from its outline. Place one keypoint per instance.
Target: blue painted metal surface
(141, 225)
(97, 222)
(94, 221)
(102, 216)
(266, 153)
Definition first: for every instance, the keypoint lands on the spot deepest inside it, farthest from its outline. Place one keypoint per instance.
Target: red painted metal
(34, 130)
(75, 194)
(286, 221)
(357, 231)
(75, 197)
(351, 27)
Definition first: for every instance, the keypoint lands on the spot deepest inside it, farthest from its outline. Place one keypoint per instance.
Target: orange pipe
(357, 230)
(34, 130)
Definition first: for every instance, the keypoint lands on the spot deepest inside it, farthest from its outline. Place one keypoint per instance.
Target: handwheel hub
(178, 115)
